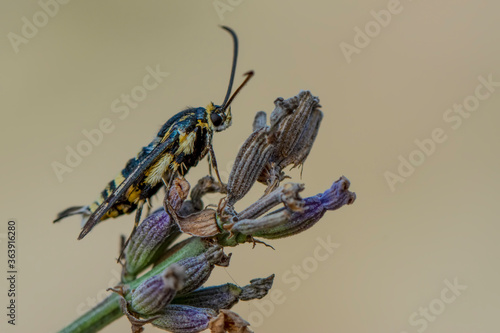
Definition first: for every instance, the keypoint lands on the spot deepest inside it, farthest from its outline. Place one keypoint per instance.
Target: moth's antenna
(233, 68)
(248, 77)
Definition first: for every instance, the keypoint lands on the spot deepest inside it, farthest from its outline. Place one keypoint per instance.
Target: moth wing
(145, 163)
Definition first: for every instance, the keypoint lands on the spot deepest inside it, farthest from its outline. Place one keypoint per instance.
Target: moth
(181, 143)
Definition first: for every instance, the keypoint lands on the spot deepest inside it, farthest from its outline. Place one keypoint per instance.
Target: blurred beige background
(399, 250)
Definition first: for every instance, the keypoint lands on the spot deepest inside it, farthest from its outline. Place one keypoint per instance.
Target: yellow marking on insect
(183, 167)
(113, 213)
(118, 180)
(182, 135)
(203, 125)
(186, 116)
(165, 137)
(210, 107)
(133, 194)
(93, 206)
(186, 143)
(155, 173)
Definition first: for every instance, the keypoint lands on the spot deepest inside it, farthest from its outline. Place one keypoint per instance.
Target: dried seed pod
(178, 318)
(314, 208)
(197, 269)
(153, 295)
(248, 165)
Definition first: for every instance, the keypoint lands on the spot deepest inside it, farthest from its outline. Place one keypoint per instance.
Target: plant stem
(109, 310)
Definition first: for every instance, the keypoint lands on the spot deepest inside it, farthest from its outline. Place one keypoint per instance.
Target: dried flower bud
(197, 269)
(227, 295)
(287, 194)
(177, 318)
(257, 288)
(155, 293)
(294, 127)
(147, 243)
(261, 224)
(290, 128)
(282, 108)
(154, 234)
(249, 163)
(216, 297)
(305, 142)
(314, 208)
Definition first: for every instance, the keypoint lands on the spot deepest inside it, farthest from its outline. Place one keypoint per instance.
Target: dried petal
(155, 293)
(201, 224)
(177, 318)
(230, 322)
(178, 192)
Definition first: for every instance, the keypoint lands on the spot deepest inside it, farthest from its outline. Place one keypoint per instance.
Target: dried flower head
(170, 295)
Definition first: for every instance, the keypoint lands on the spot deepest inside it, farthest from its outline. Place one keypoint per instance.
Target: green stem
(109, 310)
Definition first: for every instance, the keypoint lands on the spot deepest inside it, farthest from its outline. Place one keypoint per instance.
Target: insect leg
(214, 164)
(209, 159)
(168, 184)
(149, 206)
(138, 214)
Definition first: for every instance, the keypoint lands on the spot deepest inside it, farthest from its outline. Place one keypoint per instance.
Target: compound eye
(216, 119)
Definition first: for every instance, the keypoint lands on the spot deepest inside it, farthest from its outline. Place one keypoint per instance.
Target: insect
(181, 143)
